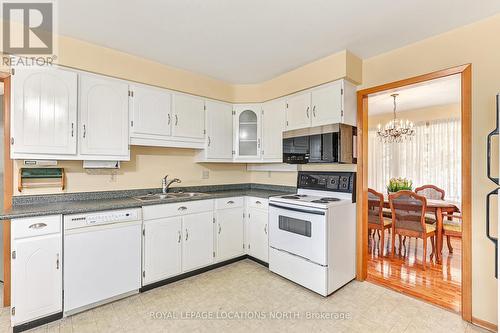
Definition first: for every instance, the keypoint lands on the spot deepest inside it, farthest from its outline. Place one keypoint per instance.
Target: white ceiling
(437, 92)
(249, 41)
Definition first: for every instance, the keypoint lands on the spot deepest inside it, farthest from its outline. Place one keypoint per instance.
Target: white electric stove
(312, 234)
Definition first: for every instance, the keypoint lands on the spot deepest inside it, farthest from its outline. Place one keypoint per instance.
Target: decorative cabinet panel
(36, 265)
(103, 114)
(188, 117)
(162, 249)
(150, 112)
(247, 128)
(219, 124)
(273, 124)
(44, 112)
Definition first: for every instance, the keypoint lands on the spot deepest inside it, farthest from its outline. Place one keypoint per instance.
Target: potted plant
(399, 184)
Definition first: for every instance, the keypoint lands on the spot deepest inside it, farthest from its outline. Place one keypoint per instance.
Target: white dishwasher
(102, 258)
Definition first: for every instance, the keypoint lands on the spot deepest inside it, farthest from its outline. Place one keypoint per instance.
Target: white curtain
(432, 156)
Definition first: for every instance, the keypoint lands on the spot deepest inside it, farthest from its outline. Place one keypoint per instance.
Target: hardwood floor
(439, 284)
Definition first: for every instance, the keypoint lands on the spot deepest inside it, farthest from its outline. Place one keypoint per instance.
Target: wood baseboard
(485, 324)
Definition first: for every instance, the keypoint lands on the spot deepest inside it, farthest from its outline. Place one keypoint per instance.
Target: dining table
(436, 207)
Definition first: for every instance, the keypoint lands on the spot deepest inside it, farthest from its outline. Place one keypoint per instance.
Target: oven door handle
(316, 212)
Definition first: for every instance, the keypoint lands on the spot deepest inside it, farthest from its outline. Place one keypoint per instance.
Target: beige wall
(476, 44)
(146, 168)
(417, 115)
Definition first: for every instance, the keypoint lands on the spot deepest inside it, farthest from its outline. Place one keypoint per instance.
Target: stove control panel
(328, 181)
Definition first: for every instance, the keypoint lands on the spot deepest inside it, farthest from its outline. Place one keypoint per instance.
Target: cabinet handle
(187, 235)
(182, 208)
(57, 261)
(258, 143)
(72, 129)
(220, 229)
(265, 229)
(169, 119)
(307, 112)
(180, 237)
(37, 226)
(84, 131)
(230, 202)
(176, 120)
(314, 111)
(209, 141)
(258, 202)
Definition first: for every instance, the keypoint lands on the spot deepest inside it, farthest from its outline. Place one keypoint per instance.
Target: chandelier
(395, 130)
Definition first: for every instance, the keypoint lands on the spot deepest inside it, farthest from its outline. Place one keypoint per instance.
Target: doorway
(462, 250)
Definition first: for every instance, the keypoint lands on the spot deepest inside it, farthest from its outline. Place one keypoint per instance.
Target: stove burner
(320, 201)
(293, 197)
(330, 199)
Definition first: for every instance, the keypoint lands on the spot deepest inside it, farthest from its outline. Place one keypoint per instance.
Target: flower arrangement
(399, 184)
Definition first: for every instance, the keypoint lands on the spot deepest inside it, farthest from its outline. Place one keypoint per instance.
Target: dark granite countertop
(74, 203)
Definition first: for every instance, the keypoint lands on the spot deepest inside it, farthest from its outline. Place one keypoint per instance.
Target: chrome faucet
(165, 183)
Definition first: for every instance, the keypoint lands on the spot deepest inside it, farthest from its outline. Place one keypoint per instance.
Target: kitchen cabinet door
(36, 277)
(150, 112)
(247, 128)
(298, 112)
(103, 117)
(273, 123)
(198, 240)
(162, 249)
(258, 240)
(327, 104)
(229, 228)
(188, 117)
(219, 131)
(44, 108)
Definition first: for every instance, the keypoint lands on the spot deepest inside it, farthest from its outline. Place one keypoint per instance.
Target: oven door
(298, 230)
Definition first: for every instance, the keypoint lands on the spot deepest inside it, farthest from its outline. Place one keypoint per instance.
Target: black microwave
(334, 143)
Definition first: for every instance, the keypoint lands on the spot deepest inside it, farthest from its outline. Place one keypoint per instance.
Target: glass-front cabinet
(247, 124)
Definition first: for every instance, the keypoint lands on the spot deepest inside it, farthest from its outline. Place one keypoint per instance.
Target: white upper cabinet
(44, 109)
(326, 104)
(298, 113)
(247, 128)
(188, 117)
(219, 124)
(330, 103)
(150, 112)
(273, 124)
(103, 116)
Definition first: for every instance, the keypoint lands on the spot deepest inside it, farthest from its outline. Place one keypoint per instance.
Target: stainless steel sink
(187, 194)
(173, 195)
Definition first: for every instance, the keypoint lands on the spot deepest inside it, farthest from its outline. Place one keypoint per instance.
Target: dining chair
(408, 219)
(452, 227)
(430, 192)
(376, 220)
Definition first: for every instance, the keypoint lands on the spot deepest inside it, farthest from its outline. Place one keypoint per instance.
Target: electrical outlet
(205, 174)
(269, 174)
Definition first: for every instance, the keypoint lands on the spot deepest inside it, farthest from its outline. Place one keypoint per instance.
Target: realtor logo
(28, 27)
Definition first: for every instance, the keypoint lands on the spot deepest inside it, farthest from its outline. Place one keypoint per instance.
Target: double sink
(174, 195)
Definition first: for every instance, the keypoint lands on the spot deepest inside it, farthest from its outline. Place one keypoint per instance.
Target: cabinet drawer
(257, 202)
(176, 209)
(224, 203)
(36, 226)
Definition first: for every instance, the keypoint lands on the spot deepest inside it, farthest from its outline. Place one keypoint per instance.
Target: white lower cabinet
(162, 249)
(177, 238)
(229, 228)
(198, 244)
(257, 229)
(36, 268)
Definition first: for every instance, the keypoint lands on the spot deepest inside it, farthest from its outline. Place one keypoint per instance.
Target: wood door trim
(7, 189)
(485, 324)
(465, 72)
